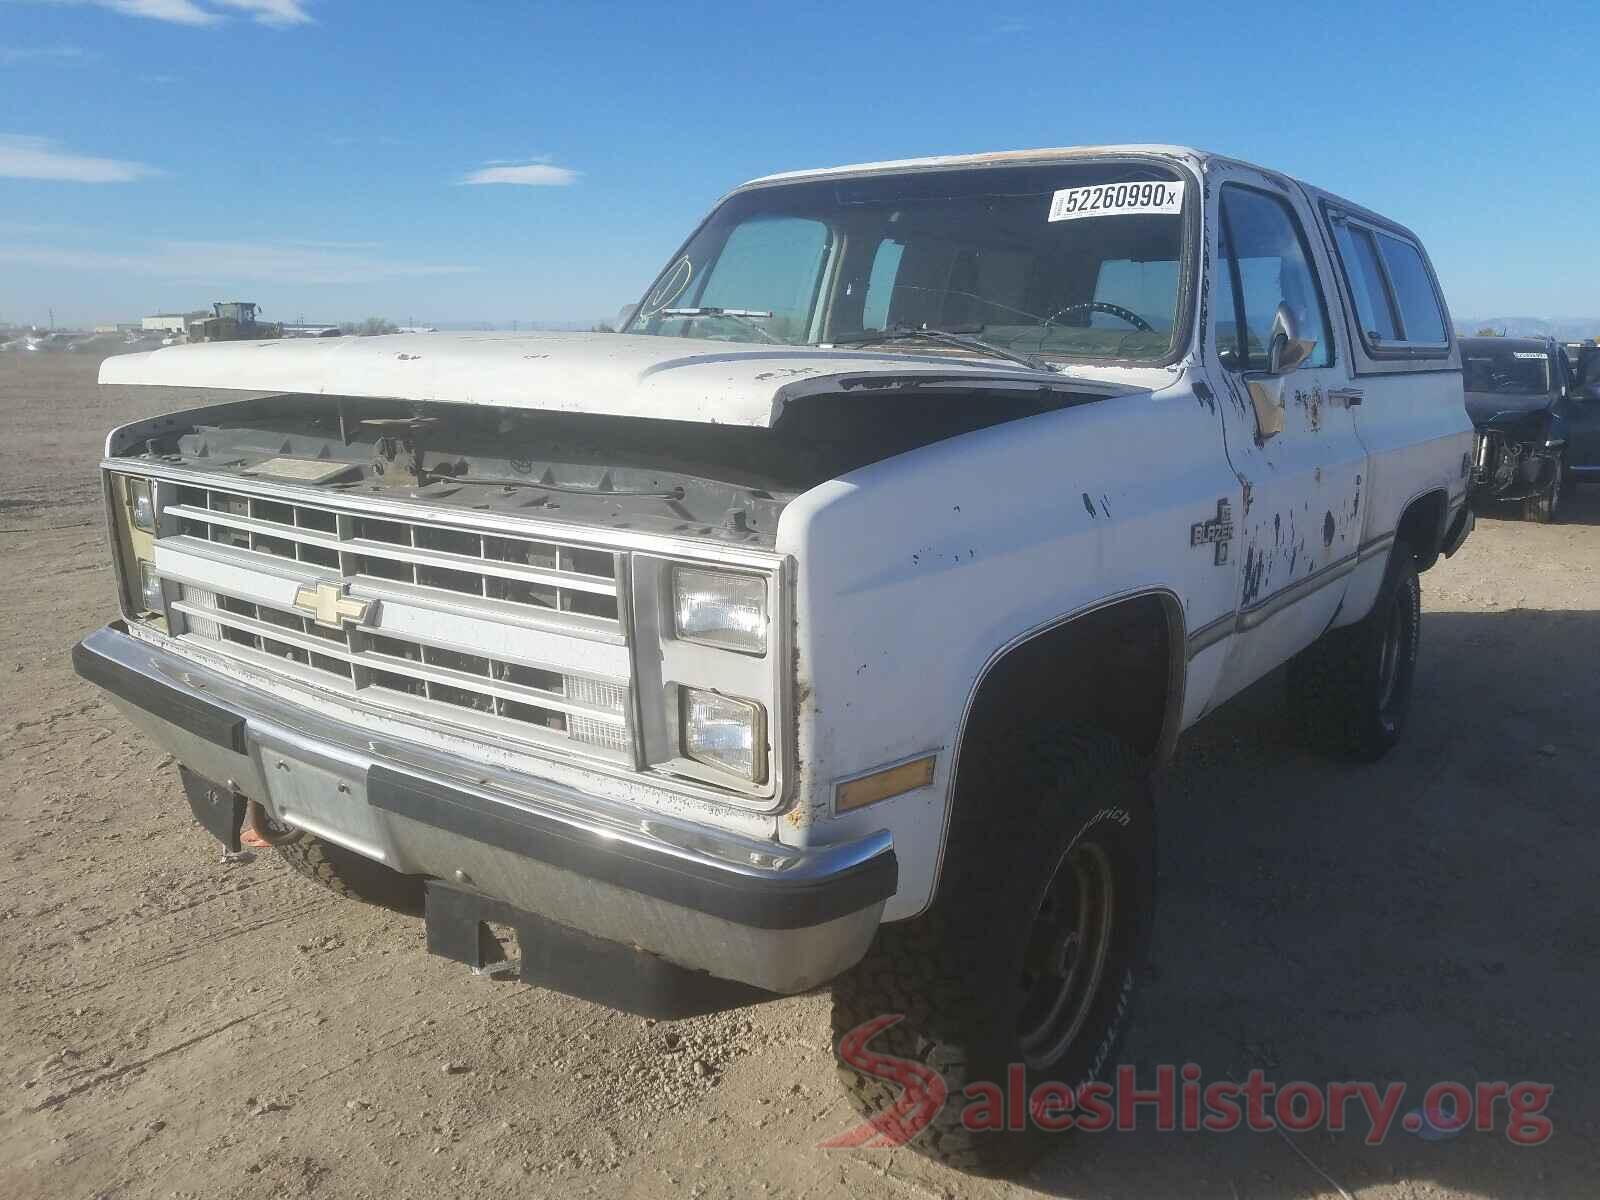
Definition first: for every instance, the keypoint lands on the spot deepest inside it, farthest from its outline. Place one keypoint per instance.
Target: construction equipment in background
(232, 321)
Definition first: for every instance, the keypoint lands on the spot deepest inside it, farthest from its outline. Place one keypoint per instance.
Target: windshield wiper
(744, 316)
(960, 337)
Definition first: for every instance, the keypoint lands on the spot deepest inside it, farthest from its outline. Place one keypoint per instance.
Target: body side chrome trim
(1257, 614)
(1211, 633)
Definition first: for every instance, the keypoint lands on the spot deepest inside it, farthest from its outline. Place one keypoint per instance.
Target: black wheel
(1545, 508)
(353, 876)
(1030, 954)
(1353, 687)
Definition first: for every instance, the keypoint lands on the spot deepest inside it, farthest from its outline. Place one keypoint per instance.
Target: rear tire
(1352, 688)
(1031, 951)
(348, 874)
(1545, 508)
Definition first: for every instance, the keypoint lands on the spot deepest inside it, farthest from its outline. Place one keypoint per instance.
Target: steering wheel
(1115, 310)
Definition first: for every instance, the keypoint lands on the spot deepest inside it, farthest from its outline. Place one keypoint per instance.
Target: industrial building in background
(171, 322)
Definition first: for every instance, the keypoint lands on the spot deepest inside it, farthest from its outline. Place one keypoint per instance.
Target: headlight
(141, 505)
(723, 732)
(719, 609)
(150, 589)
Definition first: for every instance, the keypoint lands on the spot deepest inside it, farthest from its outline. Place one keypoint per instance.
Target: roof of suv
(992, 158)
(1189, 155)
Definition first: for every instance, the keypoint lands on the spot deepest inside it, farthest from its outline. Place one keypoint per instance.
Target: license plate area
(324, 794)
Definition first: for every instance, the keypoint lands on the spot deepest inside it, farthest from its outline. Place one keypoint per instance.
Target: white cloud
(270, 12)
(532, 174)
(10, 55)
(229, 262)
(190, 12)
(38, 158)
(179, 12)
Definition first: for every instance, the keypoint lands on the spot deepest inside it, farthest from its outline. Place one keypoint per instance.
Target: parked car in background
(1538, 423)
(827, 621)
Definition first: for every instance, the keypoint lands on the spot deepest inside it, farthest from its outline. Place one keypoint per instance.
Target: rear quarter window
(1413, 292)
(1396, 302)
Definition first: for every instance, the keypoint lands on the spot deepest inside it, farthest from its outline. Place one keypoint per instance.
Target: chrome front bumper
(735, 907)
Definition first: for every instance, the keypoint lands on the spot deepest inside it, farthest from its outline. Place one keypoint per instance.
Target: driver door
(1291, 436)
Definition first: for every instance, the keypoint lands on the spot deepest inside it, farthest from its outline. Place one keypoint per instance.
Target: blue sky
(310, 154)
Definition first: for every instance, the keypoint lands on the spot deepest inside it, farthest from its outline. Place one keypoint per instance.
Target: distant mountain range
(1565, 329)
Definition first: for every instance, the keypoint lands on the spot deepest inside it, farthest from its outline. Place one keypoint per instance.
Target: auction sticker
(1117, 199)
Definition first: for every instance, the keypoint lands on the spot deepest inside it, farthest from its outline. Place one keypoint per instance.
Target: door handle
(1351, 395)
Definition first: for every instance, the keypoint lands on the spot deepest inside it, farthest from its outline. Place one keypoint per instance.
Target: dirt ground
(174, 1025)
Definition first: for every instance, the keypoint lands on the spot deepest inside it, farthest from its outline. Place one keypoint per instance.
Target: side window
(1371, 293)
(1420, 315)
(1396, 302)
(775, 264)
(1265, 257)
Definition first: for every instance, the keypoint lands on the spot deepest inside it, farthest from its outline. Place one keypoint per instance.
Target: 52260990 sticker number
(1116, 199)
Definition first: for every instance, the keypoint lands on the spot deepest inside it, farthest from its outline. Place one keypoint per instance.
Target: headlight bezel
(666, 664)
(133, 545)
(686, 579)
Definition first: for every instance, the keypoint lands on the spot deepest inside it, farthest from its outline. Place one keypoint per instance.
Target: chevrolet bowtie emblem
(329, 606)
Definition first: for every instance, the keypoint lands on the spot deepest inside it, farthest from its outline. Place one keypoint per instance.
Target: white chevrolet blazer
(826, 621)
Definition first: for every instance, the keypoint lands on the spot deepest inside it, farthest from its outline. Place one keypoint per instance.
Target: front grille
(453, 638)
(535, 574)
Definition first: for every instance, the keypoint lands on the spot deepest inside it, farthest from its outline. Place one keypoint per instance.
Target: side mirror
(1286, 350)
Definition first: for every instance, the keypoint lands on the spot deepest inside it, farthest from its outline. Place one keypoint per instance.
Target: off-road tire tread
(348, 874)
(917, 967)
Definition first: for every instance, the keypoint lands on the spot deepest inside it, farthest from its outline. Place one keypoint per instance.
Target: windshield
(1080, 260)
(1520, 377)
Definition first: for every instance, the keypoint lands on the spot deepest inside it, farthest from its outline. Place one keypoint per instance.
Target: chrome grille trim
(524, 633)
(536, 573)
(541, 713)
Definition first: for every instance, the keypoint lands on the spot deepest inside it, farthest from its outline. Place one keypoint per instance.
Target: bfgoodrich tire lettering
(1351, 690)
(967, 973)
(353, 876)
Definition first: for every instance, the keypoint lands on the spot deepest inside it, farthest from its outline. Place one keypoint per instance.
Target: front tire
(1032, 949)
(1352, 688)
(1545, 508)
(351, 875)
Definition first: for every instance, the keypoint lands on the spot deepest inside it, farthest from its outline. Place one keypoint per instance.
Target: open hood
(624, 375)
